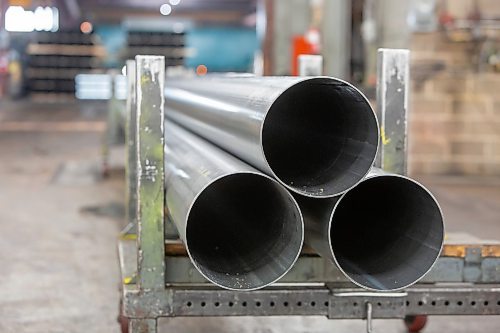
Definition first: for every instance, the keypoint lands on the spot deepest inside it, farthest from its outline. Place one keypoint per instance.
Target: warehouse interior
(78, 118)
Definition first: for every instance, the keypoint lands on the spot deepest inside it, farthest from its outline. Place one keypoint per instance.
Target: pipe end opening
(320, 137)
(244, 231)
(387, 232)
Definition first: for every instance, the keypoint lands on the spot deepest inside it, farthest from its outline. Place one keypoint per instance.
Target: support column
(130, 151)
(291, 17)
(150, 77)
(393, 81)
(336, 38)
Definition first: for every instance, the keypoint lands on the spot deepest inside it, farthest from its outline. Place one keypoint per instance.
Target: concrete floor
(59, 223)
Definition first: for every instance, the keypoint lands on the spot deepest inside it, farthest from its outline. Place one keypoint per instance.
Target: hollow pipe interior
(387, 232)
(244, 231)
(320, 137)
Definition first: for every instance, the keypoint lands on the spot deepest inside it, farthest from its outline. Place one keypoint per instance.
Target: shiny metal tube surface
(242, 229)
(318, 136)
(384, 234)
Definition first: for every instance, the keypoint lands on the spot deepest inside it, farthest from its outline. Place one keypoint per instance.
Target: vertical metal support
(110, 136)
(142, 326)
(369, 317)
(336, 34)
(310, 65)
(130, 151)
(283, 29)
(472, 264)
(265, 37)
(150, 169)
(393, 81)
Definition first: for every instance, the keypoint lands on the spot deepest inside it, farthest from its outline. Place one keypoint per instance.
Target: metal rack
(170, 44)
(56, 58)
(158, 279)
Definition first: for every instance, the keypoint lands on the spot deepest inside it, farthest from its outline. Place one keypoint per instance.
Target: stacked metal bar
(318, 138)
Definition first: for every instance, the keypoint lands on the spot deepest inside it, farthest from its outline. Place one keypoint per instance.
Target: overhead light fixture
(42, 19)
(174, 2)
(165, 9)
(17, 19)
(86, 27)
(55, 19)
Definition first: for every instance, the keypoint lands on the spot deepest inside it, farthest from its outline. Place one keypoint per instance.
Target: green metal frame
(130, 150)
(150, 78)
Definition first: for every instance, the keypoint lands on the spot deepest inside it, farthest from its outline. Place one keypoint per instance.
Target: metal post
(393, 80)
(130, 151)
(283, 29)
(150, 169)
(111, 134)
(310, 65)
(369, 317)
(336, 38)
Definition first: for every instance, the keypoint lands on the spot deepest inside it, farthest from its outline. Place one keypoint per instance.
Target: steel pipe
(384, 234)
(241, 228)
(318, 136)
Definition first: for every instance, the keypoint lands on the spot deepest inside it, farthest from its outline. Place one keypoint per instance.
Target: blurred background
(44, 45)
(62, 90)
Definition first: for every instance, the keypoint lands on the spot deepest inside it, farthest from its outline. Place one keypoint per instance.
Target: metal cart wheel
(415, 324)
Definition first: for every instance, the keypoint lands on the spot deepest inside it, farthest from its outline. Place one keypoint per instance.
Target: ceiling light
(165, 9)
(41, 19)
(86, 27)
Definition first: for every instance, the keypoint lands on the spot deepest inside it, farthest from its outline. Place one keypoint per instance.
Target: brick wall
(455, 112)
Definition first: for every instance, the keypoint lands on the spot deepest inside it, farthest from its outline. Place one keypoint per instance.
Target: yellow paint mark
(127, 280)
(460, 250)
(129, 236)
(491, 251)
(457, 251)
(144, 79)
(385, 140)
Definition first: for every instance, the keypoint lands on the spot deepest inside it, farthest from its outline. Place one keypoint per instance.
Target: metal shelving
(160, 281)
(57, 57)
(171, 45)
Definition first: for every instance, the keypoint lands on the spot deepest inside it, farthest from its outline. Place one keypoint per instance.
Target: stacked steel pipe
(241, 228)
(318, 138)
